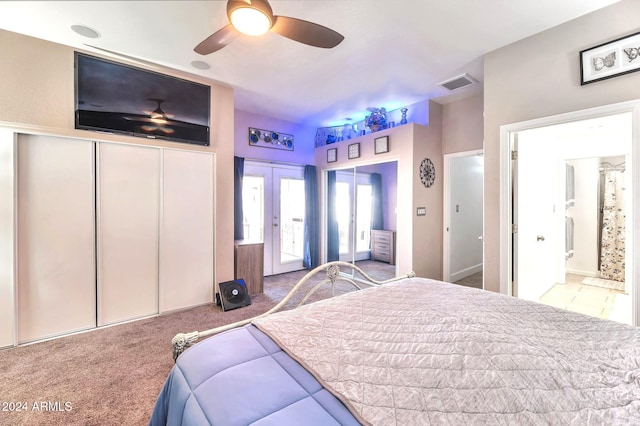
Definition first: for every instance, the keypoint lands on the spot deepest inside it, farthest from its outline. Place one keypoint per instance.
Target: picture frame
(611, 59)
(354, 151)
(332, 155)
(381, 145)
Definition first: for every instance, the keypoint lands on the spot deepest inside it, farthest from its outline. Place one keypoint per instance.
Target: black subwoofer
(233, 294)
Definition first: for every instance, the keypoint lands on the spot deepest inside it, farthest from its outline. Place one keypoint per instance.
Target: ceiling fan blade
(217, 40)
(306, 32)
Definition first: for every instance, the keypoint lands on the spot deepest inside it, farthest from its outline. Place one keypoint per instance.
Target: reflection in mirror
(361, 220)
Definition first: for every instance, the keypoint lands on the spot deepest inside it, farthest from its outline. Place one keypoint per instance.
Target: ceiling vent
(458, 82)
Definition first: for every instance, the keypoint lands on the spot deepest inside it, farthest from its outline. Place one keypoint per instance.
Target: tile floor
(590, 300)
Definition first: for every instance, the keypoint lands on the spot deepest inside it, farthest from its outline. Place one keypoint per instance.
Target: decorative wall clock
(427, 172)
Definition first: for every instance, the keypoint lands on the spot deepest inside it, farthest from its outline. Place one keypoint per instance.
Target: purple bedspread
(242, 377)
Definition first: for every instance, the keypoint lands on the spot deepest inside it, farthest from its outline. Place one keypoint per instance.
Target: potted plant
(377, 120)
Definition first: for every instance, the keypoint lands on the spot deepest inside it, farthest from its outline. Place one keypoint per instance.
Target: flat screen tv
(117, 98)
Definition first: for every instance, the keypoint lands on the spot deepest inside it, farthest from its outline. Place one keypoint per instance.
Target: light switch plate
(422, 211)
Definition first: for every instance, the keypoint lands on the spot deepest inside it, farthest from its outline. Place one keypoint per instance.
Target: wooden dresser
(383, 246)
(249, 265)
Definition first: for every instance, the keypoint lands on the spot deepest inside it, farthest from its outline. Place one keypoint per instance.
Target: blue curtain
(333, 243)
(377, 218)
(238, 169)
(311, 254)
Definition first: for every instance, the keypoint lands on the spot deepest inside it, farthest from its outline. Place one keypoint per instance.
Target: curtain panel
(311, 257)
(238, 214)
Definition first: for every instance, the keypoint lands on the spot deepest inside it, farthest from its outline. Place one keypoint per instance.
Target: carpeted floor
(474, 280)
(112, 376)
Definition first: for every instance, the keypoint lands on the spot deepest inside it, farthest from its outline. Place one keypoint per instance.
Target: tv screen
(116, 98)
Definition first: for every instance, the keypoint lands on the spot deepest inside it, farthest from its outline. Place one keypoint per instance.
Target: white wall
(462, 125)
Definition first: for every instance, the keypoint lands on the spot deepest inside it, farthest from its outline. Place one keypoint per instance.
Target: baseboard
(456, 276)
(583, 273)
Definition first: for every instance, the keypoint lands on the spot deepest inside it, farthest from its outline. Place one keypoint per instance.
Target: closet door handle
(540, 238)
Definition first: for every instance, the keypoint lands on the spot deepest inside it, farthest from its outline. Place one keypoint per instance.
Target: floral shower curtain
(613, 228)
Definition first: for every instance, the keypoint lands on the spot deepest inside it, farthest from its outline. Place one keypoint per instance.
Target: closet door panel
(128, 213)
(186, 247)
(8, 150)
(56, 237)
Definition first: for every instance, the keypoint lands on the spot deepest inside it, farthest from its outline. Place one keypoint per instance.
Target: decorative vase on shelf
(404, 115)
(377, 120)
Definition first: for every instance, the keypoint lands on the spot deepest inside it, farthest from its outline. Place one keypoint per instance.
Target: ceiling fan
(255, 17)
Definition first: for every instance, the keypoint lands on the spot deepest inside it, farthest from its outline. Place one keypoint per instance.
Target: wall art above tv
(117, 98)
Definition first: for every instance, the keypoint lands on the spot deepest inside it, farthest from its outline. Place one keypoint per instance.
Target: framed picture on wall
(610, 59)
(381, 144)
(354, 151)
(332, 155)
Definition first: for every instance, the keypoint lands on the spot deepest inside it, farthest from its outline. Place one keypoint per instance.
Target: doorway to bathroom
(572, 206)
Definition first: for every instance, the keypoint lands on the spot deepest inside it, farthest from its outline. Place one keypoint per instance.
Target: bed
(409, 351)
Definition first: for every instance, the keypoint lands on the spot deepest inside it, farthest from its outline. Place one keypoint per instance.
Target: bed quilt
(241, 377)
(420, 351)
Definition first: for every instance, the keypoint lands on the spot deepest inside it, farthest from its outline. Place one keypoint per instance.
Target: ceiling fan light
(250, 21)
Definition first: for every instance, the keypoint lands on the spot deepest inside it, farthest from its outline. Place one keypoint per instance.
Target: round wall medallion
(427, 172)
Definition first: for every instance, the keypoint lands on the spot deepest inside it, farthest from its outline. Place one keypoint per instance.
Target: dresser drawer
(383, 246)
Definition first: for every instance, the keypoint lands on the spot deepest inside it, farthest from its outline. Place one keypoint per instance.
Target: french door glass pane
(253, 207)
(364, 204)
(343, 215)
(291, 219)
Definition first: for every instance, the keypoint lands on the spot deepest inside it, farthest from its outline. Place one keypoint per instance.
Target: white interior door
(56, 245)
(537, 239)
(128, 221)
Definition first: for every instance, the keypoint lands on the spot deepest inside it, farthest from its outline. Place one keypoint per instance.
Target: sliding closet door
(128, 205)
(56, 245)
(8, 149)
(186, 233)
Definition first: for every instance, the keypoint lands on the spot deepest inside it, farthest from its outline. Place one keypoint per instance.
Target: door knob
(540, 238)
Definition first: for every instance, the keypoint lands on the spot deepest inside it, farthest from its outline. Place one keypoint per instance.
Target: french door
(274, 207)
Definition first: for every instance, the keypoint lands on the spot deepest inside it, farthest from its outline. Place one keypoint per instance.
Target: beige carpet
(600, 282)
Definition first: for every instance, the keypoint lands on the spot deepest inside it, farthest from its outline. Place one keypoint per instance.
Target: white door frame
(507, 133)
(446, 240)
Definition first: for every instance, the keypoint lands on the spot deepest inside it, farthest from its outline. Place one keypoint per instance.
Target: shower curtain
(613, 228)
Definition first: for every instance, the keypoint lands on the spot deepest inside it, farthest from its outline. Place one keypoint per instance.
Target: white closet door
(56, 237)
(7, 237)
(128, 211)
(186, 245)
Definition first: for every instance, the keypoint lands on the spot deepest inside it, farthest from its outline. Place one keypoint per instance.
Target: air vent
(458, 82)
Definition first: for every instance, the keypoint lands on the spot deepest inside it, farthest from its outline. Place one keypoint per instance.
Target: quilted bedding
(420, 351)
(242, 377)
